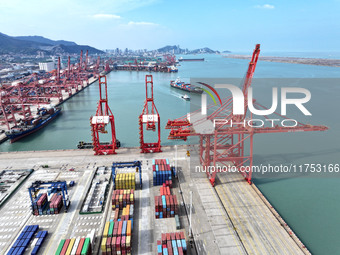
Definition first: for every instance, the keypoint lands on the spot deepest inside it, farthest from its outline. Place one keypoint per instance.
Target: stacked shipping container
(161, 172)
(23, 240)
(75, 246)
(166, 205)
(42, 205)
(122, 198)
(117, 237)
(38, 241)
(56, 203)
(125, 181)
(172, 244)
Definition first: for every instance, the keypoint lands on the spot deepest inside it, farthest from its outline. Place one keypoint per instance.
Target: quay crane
(224, 145)
(99, 122)
(149, 119)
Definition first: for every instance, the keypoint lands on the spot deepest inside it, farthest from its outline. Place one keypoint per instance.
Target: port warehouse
(210, 222)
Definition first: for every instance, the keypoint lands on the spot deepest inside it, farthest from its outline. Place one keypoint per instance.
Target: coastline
(292, 60)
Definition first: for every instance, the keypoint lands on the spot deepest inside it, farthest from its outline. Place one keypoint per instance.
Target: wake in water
(175, 94)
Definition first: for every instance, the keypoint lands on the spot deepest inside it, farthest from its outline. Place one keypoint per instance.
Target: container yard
(128, 223)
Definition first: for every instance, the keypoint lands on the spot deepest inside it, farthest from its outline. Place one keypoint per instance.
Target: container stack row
(125, 181)
(121, 198)
(44, 204)
(117, 234)
(161, 172)
(75, 246)
(172, 244)
(166, 205)
(117, 237)
(56, 203)
(40, 204)
(23, 240)
(38, 241)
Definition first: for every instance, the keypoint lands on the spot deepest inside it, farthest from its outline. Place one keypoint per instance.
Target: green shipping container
(60, 247)
(86, 246)
(111, 229)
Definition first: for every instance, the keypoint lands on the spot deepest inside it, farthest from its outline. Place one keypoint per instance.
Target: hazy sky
(236, 25)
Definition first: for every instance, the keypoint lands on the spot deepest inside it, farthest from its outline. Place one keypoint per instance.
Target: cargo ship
(25, 128)
(190, 59)
(178, 84)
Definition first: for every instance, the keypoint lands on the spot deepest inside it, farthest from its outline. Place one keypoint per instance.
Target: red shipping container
(169, 245)
(164, 238)
(178, 236)
(80, 246)
(182, 235)
(168, 191)
(156, 203)
(116, 216)
(118, 243)
(171, 200)
(180, 251)
(108, 244)
(173, 237)
(120, 226)
(115, 231)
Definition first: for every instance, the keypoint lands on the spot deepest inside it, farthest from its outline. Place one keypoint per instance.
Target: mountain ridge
(34, 44)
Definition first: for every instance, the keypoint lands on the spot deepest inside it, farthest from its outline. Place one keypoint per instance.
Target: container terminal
(223, 220)
(145, 200)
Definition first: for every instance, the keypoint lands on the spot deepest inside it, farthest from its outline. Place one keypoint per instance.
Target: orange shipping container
(128, 228)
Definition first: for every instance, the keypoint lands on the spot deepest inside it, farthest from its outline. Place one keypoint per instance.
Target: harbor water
(310, 205)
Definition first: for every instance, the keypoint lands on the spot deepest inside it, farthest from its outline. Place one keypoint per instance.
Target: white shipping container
(75, 246)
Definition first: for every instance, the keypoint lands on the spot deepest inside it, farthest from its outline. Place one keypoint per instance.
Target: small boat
(186, 97)
(27, 127)
(178, 84)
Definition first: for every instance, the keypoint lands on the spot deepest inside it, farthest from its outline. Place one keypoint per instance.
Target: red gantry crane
(224, 145)
(149, 119)
(99, 122)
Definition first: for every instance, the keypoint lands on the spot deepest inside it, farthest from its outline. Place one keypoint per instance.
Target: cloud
(265, 6)
(106, 16)
(141, 23)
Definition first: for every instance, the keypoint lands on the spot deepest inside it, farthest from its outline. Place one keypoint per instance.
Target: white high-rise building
(47, 66)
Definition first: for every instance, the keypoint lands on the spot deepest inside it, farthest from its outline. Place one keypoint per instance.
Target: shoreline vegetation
(292, 60)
